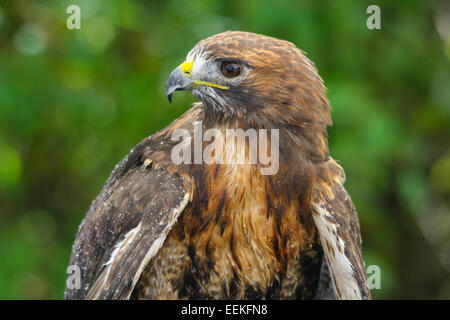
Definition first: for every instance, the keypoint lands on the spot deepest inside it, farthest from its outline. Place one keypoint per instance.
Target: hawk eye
(230, 69)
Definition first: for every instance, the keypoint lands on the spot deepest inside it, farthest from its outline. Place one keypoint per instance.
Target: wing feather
(125, 227)
(338, 225)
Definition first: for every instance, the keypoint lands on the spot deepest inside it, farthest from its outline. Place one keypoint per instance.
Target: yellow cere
(186, 67)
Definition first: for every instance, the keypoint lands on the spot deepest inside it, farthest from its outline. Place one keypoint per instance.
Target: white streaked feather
(129, 238)
(340, 267)
(157, 244)
(119, 249)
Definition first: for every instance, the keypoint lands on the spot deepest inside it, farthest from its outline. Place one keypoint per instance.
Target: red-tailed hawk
(225, 230)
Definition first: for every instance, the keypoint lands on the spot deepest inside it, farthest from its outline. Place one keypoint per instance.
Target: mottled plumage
(164, 231)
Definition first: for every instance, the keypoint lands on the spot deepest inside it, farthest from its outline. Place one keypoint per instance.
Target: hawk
(196, 230)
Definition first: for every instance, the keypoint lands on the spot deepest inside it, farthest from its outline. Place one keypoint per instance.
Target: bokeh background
(74, 102)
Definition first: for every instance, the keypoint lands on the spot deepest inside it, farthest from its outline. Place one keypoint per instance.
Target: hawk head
(242, 75)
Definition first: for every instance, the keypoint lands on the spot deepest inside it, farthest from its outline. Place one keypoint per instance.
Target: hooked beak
(179, 80)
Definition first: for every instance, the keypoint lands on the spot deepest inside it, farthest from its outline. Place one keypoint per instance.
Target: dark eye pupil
(230, 69)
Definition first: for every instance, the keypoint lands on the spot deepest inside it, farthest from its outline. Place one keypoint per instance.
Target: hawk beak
(179, 79)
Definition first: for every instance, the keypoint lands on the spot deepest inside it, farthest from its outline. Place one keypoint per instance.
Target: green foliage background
(74, 102)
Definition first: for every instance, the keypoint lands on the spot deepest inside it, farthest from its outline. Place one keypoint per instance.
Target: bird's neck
(299, 137)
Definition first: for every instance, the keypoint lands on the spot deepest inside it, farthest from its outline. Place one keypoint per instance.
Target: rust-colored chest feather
(244, 236)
